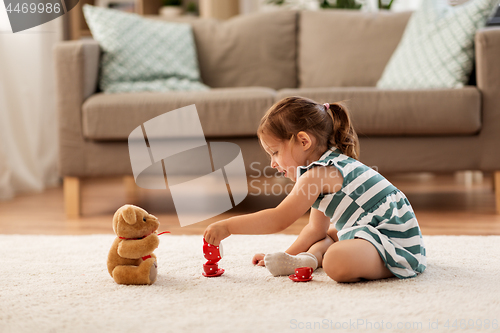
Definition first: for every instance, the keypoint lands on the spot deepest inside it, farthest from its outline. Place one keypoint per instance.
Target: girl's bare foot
(258, 259)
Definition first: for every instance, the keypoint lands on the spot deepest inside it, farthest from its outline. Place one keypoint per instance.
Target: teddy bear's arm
(137, 248)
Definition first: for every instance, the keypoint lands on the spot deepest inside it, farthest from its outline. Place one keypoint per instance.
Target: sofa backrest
(343, 48)
(249, 50)
(290, 49)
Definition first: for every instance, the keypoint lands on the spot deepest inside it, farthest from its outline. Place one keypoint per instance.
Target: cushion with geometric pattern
(142, 54)
(437, 47)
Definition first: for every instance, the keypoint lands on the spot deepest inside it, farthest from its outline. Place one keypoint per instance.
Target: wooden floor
(444, 204)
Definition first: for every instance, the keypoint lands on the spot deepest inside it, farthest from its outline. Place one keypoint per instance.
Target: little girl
(375, 233)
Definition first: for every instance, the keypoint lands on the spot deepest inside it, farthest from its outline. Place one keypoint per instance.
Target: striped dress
(368, 206)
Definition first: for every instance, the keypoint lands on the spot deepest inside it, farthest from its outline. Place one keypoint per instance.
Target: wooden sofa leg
(496, 187)
(131, 190)
(72, 199)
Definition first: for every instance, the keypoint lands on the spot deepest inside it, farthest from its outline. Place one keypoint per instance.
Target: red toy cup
(303, 273)
(210, 269)
(211, 252)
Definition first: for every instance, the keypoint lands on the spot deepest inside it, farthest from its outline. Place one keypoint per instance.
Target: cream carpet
(60, 284)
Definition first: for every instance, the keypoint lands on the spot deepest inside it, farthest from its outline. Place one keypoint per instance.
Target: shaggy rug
(61, 284)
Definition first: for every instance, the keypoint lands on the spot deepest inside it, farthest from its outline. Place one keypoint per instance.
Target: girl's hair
(333, 127)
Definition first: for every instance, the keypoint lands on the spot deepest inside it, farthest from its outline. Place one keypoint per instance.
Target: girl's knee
(336, 265)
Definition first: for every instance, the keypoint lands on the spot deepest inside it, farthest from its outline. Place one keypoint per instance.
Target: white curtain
(28, 119)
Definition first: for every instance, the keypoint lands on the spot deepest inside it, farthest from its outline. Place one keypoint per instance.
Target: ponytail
(343, 137)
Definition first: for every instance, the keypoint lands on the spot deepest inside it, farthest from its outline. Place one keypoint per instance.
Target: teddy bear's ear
(129, 215)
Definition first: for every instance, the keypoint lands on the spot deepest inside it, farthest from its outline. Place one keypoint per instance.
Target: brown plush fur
(125, 263)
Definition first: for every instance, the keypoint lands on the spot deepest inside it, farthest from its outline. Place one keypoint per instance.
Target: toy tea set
(131, 259)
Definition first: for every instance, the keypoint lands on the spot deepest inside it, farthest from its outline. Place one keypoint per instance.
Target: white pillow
(140, 54)
(437, 47)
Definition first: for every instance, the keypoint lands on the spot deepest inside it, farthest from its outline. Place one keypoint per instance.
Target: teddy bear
(131, 259)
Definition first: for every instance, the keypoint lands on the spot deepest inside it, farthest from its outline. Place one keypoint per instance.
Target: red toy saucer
(219, 272)
(295, 278)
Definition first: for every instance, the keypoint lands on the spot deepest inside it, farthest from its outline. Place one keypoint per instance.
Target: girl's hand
(258, 259)
(216, 232)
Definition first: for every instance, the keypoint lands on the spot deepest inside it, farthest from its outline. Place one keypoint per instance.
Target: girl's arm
(314, 231)
(268, 221)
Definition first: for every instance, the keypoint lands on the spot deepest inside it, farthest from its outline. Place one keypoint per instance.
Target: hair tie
(327, 106)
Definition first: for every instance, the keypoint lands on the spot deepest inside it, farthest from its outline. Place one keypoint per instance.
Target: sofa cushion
(222, 111)
(342, 48)
(378, 112)
(256, 50)
(141, 54)
(437, 48)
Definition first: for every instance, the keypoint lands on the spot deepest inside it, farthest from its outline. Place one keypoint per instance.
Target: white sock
(282, 263)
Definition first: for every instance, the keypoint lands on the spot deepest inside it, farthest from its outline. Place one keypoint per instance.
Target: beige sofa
(252, 61)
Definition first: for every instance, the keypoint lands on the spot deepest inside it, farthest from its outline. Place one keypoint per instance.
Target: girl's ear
(304, 139)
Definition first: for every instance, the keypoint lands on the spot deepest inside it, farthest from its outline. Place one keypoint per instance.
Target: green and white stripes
(437, 47)
(368, 206)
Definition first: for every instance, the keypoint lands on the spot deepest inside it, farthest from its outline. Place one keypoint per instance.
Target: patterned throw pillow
(141, 54)
(437, 47)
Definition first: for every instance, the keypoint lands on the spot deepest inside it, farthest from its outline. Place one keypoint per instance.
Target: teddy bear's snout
(153, 220)
(153, 217)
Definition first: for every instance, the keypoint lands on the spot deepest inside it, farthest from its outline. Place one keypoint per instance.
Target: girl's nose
(274, 164)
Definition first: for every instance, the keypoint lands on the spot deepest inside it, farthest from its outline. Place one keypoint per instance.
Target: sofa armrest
(91, 57)
(76, 66)
(487, 43)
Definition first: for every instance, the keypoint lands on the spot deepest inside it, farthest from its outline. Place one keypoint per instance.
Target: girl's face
(286, 156)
